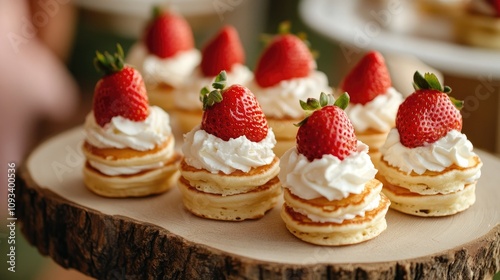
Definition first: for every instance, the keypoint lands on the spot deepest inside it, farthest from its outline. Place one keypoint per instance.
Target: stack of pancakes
(162, 95)
(374, 139)
(234, 197)
(284, 131)
(187, 119)
(337, 222)
(161, 175)
(478, 24)
(431, 193)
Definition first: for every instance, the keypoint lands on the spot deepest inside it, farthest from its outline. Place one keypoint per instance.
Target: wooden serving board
(156, 238)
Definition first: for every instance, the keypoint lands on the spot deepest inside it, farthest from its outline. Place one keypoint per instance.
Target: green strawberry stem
(285, 28)
(430, 81)
(209, 98)
(312, 104)
(108, 63)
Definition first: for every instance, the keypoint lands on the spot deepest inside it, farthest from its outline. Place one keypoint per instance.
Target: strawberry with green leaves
(428, 114)
(222, 52)
(229, 113)
(285, 58)
(328, 130)
(167, 34)
(120, 92)
(368, 79)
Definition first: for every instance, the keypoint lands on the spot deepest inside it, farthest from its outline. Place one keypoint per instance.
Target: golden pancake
(450, 180)
(150, 181)
(162, 96)
(416, 204)
(283, 145)
(187, 119)
(325, 208)
(144, 183)
(374, 139)
(229, 184)
(127, 156)
(238, 207)
(284, 128)
(442, 8)
(478, 30)
(285, 132)
(348, 232)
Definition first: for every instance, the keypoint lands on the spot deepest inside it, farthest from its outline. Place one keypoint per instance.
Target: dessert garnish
(120, 92)
(327, 130)
(232, 112)
(429, 113)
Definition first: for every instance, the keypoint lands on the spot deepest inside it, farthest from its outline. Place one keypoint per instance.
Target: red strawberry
(368, 79)
(287, 57)
(328, 130)
(121, 92)
(167, 34)
(222, 52)
(428, 114)
(232, 112)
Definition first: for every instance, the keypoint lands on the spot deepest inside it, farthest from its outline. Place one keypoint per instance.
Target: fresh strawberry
(285, 58)
(121, 92)
(232, 112)
(428, 114)
(328, 130)
(222, 52)
(368, 79)
(167, 34)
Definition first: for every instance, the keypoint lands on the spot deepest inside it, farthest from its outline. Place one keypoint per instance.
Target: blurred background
(47, 77)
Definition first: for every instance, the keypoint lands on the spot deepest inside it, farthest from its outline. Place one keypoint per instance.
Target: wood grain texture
(116, 246)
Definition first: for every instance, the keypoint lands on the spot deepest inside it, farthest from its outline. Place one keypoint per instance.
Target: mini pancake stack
(374, 139)
(229, 171)
(479, 24)
(374, 101)
(224, 51)
(340, 231)
(158, 167)
(286, 72)
(236, 196)
(285, 133)
(428, 166)
(165, 56)
(331, 195)
(129, 145)
(431, 193)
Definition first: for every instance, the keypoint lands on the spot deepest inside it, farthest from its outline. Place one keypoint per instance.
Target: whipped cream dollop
(340, 218)
(123, 133)
(453, 148)
(282, 100)
(187, 97)
(378, 114)
(328, 176)
(171, 70)
(206, 151)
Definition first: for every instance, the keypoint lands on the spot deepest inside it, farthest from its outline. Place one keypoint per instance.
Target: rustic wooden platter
(156, 238)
